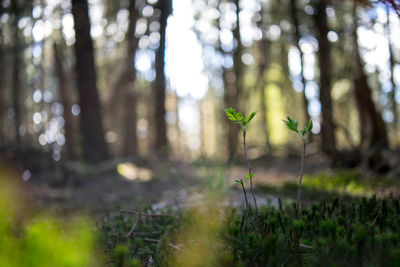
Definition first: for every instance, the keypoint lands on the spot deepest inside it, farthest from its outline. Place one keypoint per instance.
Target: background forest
(108, 79)
(117, 111)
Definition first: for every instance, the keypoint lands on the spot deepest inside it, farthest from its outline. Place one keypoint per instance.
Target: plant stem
(303, 155)
(247, 206)
(250, 174)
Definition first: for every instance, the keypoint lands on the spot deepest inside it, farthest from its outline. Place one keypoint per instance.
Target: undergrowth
(334, 233)
(135, 239)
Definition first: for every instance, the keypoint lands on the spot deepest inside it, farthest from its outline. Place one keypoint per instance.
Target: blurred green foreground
(40, 240)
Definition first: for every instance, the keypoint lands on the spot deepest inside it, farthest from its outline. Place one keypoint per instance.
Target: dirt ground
(100, 192)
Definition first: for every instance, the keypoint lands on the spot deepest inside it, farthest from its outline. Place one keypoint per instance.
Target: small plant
(243, 121)
(303, 133)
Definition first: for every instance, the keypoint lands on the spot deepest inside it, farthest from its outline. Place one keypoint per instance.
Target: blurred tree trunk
(226, 100)
(293, 13)
(264, 46)
(373, 132)
(94, 146)
(127, 85)
(160, 82)
(70, 140)
(233, 86)
(16, 73)
(129, 140)
(2, 84)
(392, 94)
(2, 98)
(328, 142)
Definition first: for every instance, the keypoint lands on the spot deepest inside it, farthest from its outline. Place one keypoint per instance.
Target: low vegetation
(355, 232)
(41, 240)
(351, 231)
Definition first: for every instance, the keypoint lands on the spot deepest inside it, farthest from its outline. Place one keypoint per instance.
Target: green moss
(328, 186)
(334, 233)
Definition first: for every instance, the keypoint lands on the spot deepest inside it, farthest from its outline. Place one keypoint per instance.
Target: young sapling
(243, 121)
(303, 133)
(240, 181)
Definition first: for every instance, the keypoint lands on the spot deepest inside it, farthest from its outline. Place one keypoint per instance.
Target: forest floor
(167, 184)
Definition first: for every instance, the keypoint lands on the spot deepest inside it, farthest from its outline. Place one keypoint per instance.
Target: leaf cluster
(238, 117)
(247, 178)
(293, 125)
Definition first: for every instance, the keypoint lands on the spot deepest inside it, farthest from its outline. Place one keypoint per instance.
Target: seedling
(303, 133)
(243, 121)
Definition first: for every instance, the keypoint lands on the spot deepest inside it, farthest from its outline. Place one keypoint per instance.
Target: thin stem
(247, 205)
(303, 155)
(133, 227)
(250, 174)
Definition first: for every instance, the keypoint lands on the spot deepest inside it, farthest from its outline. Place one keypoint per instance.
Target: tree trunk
(94, 147)
(70, 140)
(16, 74)
(231, 100)
(2, 86)
(372, 126)
(264, 46)
(328, 142)
(392, 94)
(160, 83)
(373, 132)
(233, 87)
(293, 12)
(127, 85)
(2, 100)
(129, 137)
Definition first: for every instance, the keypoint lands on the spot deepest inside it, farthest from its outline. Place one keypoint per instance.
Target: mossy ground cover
(335, 233)
(135, 239)
(346, 184)
(362, 232)
(341, 224)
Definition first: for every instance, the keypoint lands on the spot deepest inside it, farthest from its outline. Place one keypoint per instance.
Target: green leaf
(237, 181)
(291, 124)
(250, 117)
(233, 115)
(303, 132)
(310, 125)
(248, 176)
(295, 124)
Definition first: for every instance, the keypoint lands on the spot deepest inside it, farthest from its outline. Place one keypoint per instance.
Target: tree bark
(94, 146)
(160, 82)
(70, 139)
(328, 142)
